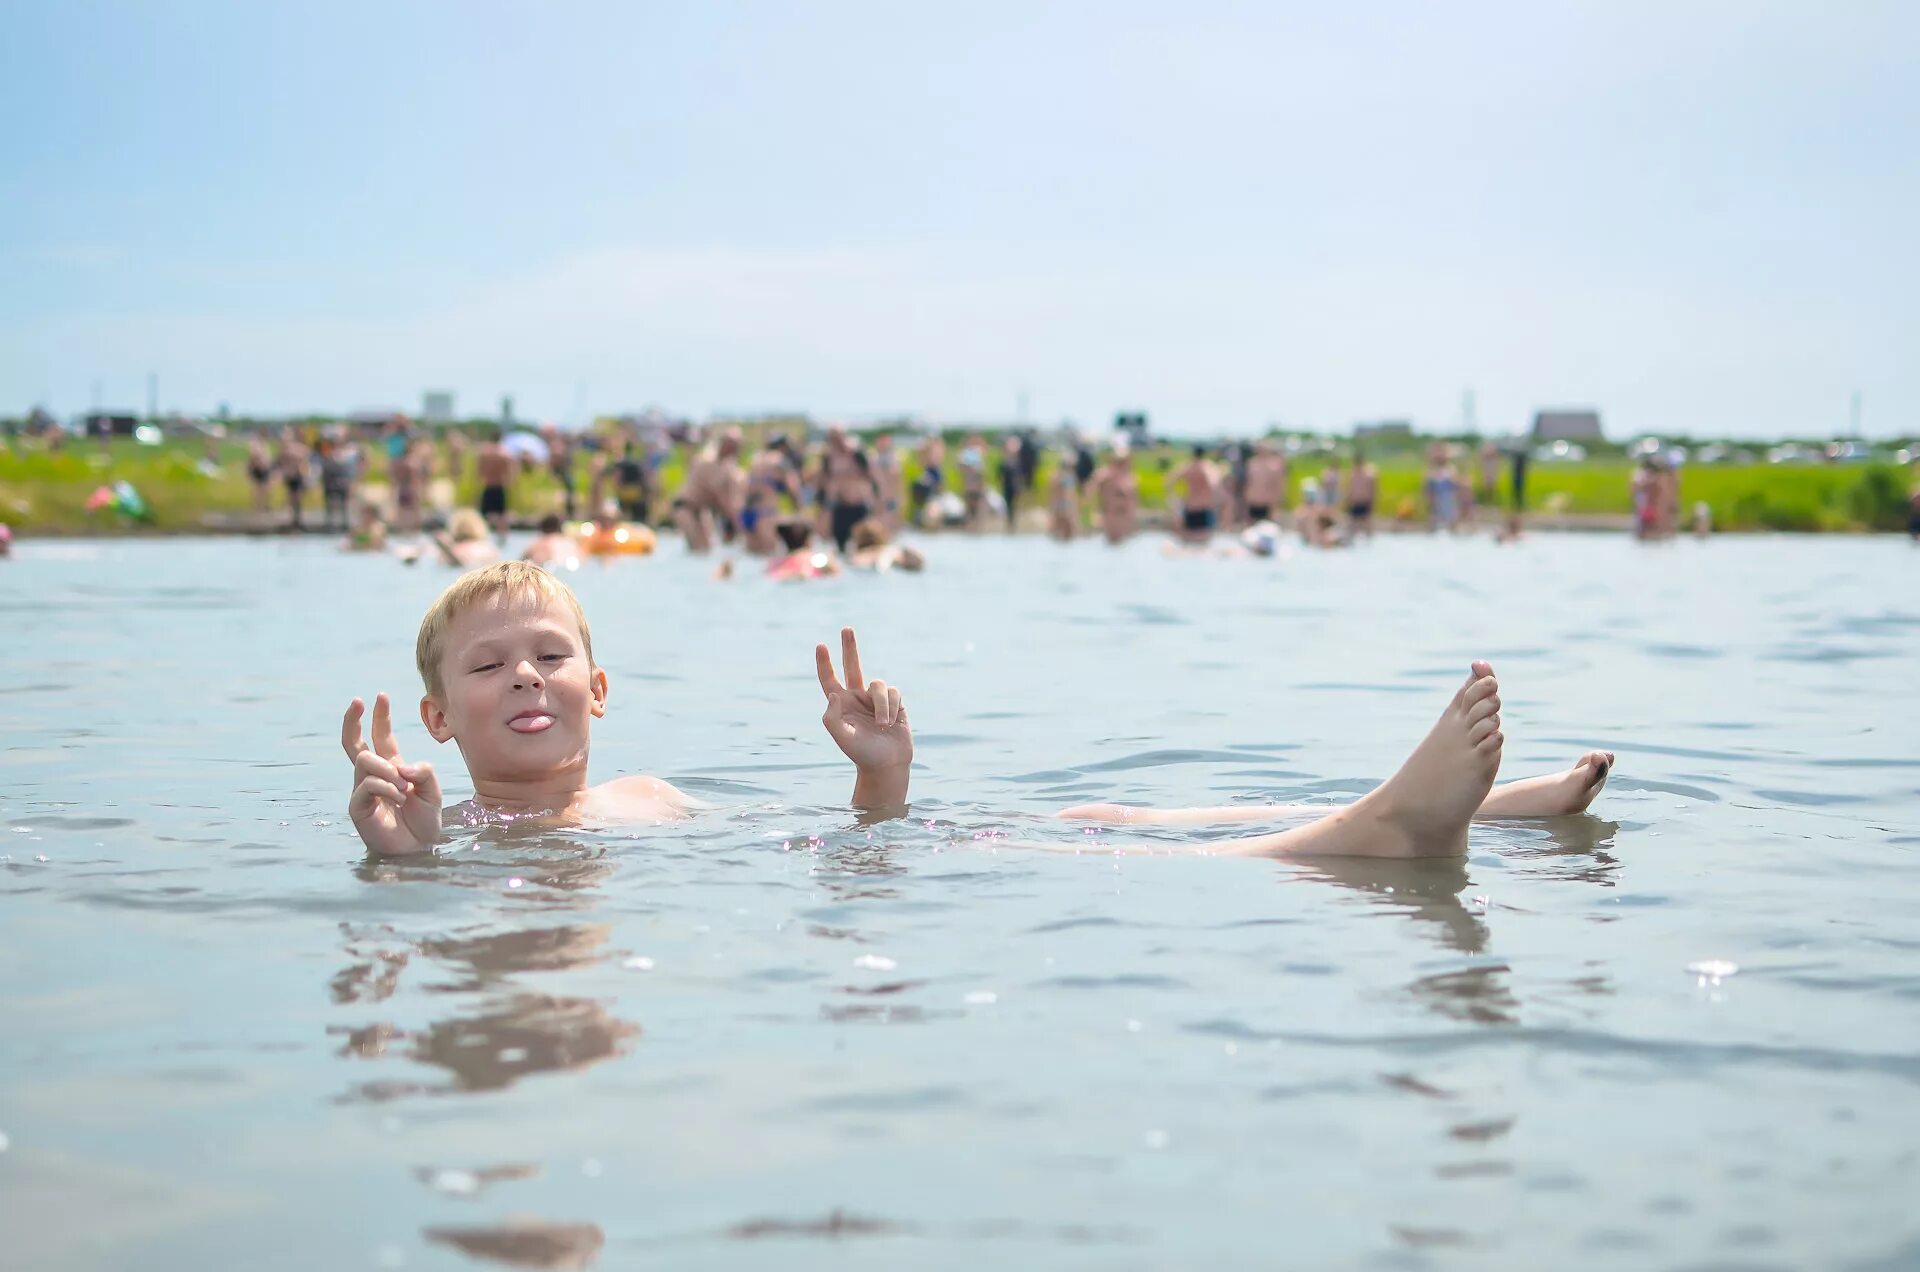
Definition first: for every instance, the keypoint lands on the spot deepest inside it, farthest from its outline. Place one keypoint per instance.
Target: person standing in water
(292, 461)
(1442, 484)
(973, 478)
(770, 475)
(1266, 491)
(1489, 493)
(1010, 478)
(632, 484)
(1201, 491)
(933, 476)
(712, 491)
(1063, 505)
(1640, 491)
(336, 484)
(494, 467)
(260, 471)
(846, 485)
(1117, 492)
(1362, 492)
(1331, 484)
(889, 481)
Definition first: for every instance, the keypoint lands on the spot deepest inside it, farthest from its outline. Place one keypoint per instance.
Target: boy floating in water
(507, 658)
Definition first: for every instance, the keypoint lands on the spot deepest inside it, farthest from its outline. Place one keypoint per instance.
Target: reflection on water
(783, 1030)
(526, 1243)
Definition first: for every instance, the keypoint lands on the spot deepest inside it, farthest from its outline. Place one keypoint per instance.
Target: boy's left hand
(868, 724)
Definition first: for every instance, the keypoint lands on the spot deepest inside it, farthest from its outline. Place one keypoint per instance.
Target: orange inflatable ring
(619, 540)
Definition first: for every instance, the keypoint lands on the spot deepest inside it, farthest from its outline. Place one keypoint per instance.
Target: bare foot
(1554, 794)
(1422, 810)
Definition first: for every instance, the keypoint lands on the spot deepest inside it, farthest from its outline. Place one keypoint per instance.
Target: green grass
(46, 492)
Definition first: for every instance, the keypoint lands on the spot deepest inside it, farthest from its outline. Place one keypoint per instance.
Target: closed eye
(551, 657)
(484, 667)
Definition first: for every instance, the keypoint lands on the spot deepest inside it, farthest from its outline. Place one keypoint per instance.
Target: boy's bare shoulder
(641, 796)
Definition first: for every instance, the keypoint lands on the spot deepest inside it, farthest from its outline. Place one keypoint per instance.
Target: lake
(1681, 1030)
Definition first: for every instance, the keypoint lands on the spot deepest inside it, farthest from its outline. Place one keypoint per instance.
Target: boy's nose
(526, 674)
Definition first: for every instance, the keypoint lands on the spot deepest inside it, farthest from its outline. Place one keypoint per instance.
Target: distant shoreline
(1151, 523)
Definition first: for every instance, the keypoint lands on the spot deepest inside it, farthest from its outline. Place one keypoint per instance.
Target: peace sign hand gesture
(395, 805)
(868, 724)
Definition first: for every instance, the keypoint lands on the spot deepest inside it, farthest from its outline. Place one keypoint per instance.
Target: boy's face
(519, 693)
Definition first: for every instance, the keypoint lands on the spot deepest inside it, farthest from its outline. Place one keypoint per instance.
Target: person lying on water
(507, 659)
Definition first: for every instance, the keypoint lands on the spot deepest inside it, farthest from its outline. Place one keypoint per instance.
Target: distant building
(436, 406)
(1383, 429)
(111, 423)
(1567, 426)
(375, 419)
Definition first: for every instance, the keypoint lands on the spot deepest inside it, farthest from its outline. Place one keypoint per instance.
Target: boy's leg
(1549, 795)
(1424, 809)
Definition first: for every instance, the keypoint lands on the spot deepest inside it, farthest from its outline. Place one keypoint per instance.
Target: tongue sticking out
(530, 724)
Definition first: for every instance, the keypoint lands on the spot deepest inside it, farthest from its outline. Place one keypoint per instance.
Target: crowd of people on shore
(841, 489)
(457, 492)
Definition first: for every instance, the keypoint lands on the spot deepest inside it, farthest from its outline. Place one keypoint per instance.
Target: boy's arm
(870, 727)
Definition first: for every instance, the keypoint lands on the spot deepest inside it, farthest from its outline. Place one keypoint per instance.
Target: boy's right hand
(395, 805)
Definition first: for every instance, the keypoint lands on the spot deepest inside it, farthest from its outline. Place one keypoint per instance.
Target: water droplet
(980, 997)
(875, 962)
(592, 1168)
(4, 1141)
(516, 883)
(639, 963)
(1134, 1026)
(40, 856)
(1157, 1140)
(1232, 1048)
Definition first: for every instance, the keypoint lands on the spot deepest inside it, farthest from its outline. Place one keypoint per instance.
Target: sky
(1693, 217)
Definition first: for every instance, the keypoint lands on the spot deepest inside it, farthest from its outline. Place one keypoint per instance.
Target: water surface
(776, 1035)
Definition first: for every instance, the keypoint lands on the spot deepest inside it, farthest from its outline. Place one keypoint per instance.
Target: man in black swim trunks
(1266, 488)
(494, 467)
(1202, 489)
(633, 484)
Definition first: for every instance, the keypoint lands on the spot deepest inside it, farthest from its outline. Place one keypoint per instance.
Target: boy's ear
(435, 718)
(599, 686)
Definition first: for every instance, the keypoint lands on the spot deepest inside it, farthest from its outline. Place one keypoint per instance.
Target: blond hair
(509, 581)
(466, 525)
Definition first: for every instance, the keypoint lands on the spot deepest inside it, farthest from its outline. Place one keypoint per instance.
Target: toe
(1490, 743)
(1482, 689)
(1483, 729)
